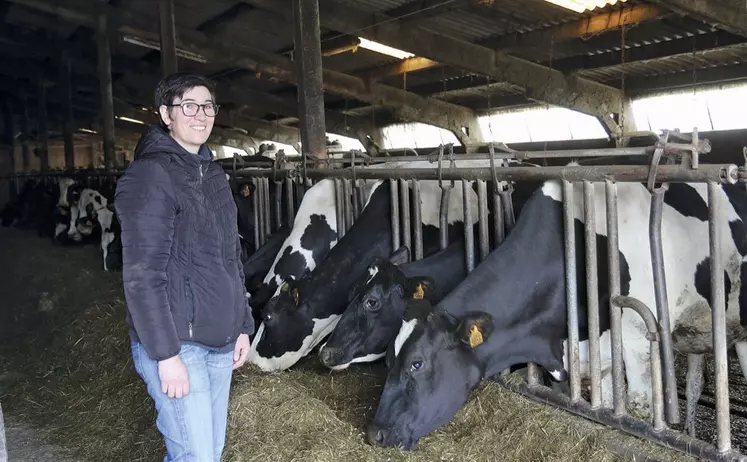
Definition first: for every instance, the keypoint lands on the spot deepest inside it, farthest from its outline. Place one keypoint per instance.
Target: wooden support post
(67, 112)
(107, 98)
(308, 58)
(168, 37)
(10, 141)
(25, 135)
(42, 147)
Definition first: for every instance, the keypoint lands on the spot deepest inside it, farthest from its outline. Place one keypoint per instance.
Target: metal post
(613, 254)
(267, 207)
(255, 204)
(25, 159)
(443, 216)
(417, 220)
(355, 200)
(67, 112)
(592, 293)
(571, 290)
(469, 237)
(404, 195)
(499, 232)
(42, 145)
(289, 193)
(339, 211)
(482, 207)
(395, 214)
(168, 37)
(107, 98)
(718, 302)
(261, 199)
(278, 201)
(662, 304)
(308, 57)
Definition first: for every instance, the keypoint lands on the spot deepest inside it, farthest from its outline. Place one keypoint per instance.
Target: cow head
(374, 315)
(434, 368)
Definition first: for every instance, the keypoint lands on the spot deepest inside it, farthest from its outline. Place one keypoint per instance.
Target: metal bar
(268, 207)
(404, 195)
(499, 231)
(339, 211)
(718, 309)
(308, 59)
(361, 195)
(482, 211)
(255, 204)
(355, 200)
(571, 291)
(348, 203)
(670, 439)
(662, 304)
(719, 173)
(417, 220)
(592, 294)
(291, 203)
(655, 330)
(395, 214)
(443, 216)
(469, 237)
(67, 114)
(613, 254)
(260, 196)
(278, 201)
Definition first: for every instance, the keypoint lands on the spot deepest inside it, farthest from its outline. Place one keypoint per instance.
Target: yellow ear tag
(475, 336)
(419, 293)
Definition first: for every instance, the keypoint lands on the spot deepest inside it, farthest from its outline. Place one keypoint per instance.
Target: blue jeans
(194, 426)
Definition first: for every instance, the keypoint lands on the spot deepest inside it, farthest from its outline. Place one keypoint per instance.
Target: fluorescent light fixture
(157, 46)
(384, 49)
(579, 6)
(87, 130)
(127, 119)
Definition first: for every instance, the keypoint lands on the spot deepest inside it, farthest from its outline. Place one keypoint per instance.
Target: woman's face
(189, 131)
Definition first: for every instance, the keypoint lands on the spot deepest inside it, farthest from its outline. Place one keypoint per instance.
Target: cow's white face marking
(557, 375)
(322, 328)
(404, 333)
(372, 272)
(363, 359)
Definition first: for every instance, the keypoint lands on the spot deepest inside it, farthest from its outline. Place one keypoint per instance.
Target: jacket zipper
(191, 304)
(200, 173)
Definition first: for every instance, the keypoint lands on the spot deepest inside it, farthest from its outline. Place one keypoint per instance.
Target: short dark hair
(174, 86)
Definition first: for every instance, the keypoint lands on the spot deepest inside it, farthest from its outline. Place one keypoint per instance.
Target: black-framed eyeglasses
(190, 109)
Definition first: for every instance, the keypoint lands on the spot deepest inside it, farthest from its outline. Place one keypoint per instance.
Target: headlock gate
(674, 158)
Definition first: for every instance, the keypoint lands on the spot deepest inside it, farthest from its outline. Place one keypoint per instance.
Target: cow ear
(401, 256)
(421, 287)
(474, 329)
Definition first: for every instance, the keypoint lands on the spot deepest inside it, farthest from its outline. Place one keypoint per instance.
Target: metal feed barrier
(350, 169)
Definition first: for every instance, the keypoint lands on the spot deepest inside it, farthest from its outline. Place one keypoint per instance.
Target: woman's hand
(240, 351)
(174, 377)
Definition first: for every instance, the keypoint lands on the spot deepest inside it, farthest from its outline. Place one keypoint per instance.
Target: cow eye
(268, 317)
(371, 303)
(416, 365)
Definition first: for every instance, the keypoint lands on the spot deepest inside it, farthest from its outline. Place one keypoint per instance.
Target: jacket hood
(157, 140)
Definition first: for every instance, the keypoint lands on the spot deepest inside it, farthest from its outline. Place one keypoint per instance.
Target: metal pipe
(662, 304)
(361, 195)
(508, 209)
(290, 204)
(339, 209)
(268, 207)
(469, 237)
(592, 294)
(355, 200)
(718, 310)
(443, 216)
(654, 334)
(255, 204)
(499, 232)
(347, 204)
(571, 291)
(395, 214)
(278, 200)
(260, 197)
(613, 254)
(417, 220)
(719, 173)
(670, 439)
(404, 194)
(482, 213)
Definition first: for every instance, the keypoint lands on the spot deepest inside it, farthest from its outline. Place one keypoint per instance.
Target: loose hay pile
(69, 369)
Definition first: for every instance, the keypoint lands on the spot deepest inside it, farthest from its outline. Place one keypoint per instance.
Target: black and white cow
(512, 308)
(259, 262)
(313, 235)
(299, 318)
(111, 238)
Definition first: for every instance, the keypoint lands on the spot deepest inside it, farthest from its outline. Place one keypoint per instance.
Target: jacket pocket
(189, 296)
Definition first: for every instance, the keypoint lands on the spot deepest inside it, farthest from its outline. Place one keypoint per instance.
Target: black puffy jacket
(183, 278)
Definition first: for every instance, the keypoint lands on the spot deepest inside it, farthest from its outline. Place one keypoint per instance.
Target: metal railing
(349, 170)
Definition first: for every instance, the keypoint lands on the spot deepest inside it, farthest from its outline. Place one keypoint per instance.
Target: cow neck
(520, 284)
(326, 288)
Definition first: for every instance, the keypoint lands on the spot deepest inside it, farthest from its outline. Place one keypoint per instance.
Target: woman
(186, 307)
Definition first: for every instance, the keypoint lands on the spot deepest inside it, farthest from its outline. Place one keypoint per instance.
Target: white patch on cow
(322, 328)
(404, 333)
(363, 359)
(105, 216)
(557, 375)
(59, 229)
(318, 200)
(372, 272)
(64, 184)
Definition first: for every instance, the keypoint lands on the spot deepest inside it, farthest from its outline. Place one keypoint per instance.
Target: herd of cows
(440, 329)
